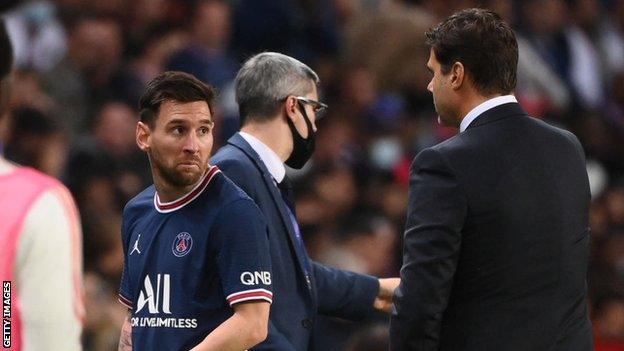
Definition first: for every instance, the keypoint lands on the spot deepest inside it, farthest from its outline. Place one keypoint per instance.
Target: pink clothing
(18, 191)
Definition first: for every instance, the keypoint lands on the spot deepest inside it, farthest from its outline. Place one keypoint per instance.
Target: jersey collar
(166, 207)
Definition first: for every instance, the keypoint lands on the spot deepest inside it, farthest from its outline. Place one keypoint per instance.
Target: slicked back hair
(174, 86)
(484, 43)
(265, 80)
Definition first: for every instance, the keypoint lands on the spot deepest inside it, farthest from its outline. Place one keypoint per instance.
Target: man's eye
(177, 130)
(204, 130)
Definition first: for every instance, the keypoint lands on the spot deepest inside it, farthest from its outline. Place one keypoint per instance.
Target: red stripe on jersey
(124, 301)
(174, 205)
(259, 294)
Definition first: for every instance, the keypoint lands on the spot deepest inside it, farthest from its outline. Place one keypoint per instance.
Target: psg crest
(182, 244)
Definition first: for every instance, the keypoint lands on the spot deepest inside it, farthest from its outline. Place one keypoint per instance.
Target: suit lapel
(239, 142)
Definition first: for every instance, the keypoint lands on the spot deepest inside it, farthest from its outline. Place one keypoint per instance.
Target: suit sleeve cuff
(365, 291)
(370, 289)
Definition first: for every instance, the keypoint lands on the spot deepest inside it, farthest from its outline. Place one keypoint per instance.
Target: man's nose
(191, 144)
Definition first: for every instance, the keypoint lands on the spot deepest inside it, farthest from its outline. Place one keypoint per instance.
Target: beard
(446, 116)
(171, 175)
(444, 120)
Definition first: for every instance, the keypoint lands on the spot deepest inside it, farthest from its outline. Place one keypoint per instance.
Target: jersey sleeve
(243, 259)
(125, 295)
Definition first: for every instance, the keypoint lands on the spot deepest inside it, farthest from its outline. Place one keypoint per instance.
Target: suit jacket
(297, 296)
(496, 241)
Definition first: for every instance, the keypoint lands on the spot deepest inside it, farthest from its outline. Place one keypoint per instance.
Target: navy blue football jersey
(187, 262)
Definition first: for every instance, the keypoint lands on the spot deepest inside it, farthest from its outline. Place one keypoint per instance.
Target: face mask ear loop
(306, 119)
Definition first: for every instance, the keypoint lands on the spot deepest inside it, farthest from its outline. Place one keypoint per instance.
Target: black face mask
(302, 148)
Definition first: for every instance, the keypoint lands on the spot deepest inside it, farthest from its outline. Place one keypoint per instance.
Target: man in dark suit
(496, 240)
(277, 98)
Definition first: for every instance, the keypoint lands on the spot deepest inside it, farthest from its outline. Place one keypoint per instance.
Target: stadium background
(81, 66)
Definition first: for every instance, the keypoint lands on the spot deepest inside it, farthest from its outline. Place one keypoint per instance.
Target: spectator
(207, 55)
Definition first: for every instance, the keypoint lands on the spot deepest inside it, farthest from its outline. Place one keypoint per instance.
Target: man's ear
(290, 107)
(458, 75)
(143, 133)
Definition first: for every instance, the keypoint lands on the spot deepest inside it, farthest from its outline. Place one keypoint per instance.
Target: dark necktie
(285, 188)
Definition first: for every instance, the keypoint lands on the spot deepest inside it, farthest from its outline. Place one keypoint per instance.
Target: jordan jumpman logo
(136, 246)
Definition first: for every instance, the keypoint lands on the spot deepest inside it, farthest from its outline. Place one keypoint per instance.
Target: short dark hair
(6, 64)
(6, 52)
(484, 43)
(175, 86)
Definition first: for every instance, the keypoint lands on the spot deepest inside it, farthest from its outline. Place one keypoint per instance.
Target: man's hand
(125, 339)
(247, 327)
(383, 302)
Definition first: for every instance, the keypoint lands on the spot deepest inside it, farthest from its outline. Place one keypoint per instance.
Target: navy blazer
(297, 297)
(496, 241)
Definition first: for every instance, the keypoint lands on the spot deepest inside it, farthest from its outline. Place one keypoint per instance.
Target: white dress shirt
(268, 156)
(484, 106)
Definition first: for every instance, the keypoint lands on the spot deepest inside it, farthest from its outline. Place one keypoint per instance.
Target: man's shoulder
(29, 185)
(33, 178)
(552, 129)
(141, 202)
(236, 165)
(448, 146)
(519, 124)
(226, 196)
(229, 153)
(526, 128)
(227, 191)
(495, 140)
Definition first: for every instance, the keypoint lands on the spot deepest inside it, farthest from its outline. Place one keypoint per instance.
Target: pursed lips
(190, 163)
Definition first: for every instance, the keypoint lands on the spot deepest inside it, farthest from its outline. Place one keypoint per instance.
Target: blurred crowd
(81, 66)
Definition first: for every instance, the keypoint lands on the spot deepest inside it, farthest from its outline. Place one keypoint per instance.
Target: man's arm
(352, 295)
(247, 327)
(241, 240)
(437, 210)
(125, 339)
(344, 294)
(50, 255)
(340, 293)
